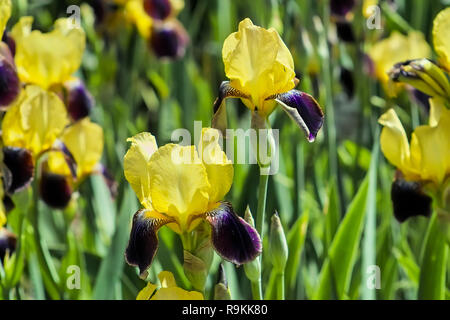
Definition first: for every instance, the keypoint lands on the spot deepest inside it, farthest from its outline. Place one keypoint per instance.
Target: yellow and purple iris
(261, 72)
(181, 186)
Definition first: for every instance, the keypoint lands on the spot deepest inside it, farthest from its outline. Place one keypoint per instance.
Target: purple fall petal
(233, 238)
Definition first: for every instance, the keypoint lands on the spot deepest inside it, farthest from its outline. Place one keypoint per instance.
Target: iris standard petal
(257, 62)
(35, 120)
(219, 120)
(143, 242)
(218, 167)
(304, 110)
(49, 58)
(409, 200)
(233, 239)
(179, 184)
(19, 163)
(441, 39)
(136, 165)
(394, 142)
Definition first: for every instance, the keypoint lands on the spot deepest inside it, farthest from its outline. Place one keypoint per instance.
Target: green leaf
(434, 262)
(332, 215)
(336, 272)
(112, 265)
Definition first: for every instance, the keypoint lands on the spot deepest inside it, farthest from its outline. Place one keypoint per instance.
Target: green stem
(280, 285)
(256, 290)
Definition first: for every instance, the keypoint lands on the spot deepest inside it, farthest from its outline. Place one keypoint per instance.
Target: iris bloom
(47, 59)
(394, 49)
(441, 41)
(179, 187)
(168, 290)
(423, 161)
(261, 72)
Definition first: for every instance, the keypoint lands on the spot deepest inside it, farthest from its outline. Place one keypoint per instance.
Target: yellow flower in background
(258, 64)
(441, 39)
(34, 120)
(427, 157)
(84, 140)
(397, 48)
(48, 59)
(5, 14)
(167, 291)
(135, 13)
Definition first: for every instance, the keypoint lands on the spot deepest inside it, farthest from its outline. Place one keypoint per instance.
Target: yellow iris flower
(47, 59)
(258, 64)
(35, 120)
(168, 290)
(84, 140)
(441, 39)
(135, 13)
(174, 182)
(397, 48)
(427, 158)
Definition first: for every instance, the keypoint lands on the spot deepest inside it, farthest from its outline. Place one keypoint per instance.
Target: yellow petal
(5, 14)
(84, 140)
(135, 13)
(35, 120)
(218, 167)
(49, 58)
(147, 292)
(436, 106)
(433, 144)
(257, 62)
(441, 39)
(136, 165)
(397, 48)
(178, 183)
(57, 163)
(176, 293)
(167, 279)
(394, 142)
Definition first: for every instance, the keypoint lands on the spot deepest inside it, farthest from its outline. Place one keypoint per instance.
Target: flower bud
(55, 189)
(79, 101)
(278, 248)
(253, 268)
(424, 75)
(168, 39)
(221, 291)
(9, 81)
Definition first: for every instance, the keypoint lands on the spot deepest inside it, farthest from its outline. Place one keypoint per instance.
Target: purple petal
(341, 7)
(19, 163)
(9, 81)
(304, 110)
(169, 40)
(233, 238)
(79, 101)
(158, 9)
(54, 189)
(409, 200)
(143, 242)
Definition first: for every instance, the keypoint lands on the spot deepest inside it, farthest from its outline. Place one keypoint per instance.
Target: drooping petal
(179, 183)
(218, 167)
(8, 242)
(35, 120)
(409, 200)
(84, 140)
(394, 142)
(20, 164)
(9, 80)
(304, 110)
(233, 238)
(49, 58)
(219, 120)
(257, 62)
(136, 165)
(54, 189)
(143, 242)
(433, 145)
(441, 40)
(79, 101)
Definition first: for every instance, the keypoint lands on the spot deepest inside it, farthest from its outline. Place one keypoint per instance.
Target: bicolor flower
(168, 290)
(47, 59)
(423, 161)
(181, 187)
(396, 48)
(261, 72)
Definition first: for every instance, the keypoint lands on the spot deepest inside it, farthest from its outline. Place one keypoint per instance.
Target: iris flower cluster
(423, 164)
(46, 124)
